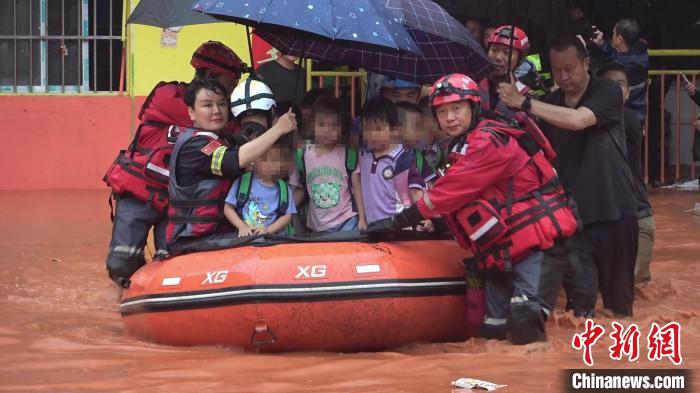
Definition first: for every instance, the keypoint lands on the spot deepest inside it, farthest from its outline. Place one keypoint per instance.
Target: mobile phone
(685, 78)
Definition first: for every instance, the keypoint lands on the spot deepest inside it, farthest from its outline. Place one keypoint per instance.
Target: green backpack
(351, 159)
(243, 194)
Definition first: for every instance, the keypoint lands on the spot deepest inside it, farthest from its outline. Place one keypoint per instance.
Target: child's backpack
(421, 160)
(350, 164)
(243, 194)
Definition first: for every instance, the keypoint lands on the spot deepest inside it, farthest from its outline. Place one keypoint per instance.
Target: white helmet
(251, 94)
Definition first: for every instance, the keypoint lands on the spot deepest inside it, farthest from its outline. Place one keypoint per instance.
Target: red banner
(262, 52)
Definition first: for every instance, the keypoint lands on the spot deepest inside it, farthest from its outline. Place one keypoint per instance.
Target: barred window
(60, 46)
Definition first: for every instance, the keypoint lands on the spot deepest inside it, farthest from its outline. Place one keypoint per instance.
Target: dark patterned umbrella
(429, 17)
(446, 46)
(349, 23)
(167, 13)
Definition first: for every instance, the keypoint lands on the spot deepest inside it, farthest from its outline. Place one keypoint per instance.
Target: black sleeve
(194, 165)
(633, 136)
(262, 72)
(229, 166)
(605, 101)
(553, 98)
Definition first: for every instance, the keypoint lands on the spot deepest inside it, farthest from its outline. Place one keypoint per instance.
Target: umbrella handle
(510, 52)
(251, 69)
(512, 37)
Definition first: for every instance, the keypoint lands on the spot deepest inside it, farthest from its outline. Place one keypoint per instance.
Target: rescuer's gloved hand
(384, 228)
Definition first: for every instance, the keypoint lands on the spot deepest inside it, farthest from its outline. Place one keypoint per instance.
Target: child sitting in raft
(261, 201)
(388, 172)
(416, 139)
(327, 172)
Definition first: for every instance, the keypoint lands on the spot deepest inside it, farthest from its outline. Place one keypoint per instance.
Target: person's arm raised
(567, 118)
(252, 150)
(558, 116)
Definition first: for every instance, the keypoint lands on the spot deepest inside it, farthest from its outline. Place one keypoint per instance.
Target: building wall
(69, 141)
(54, 142)
(151, 63)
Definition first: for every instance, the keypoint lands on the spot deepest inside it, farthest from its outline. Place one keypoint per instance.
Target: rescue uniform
(503, 201)
(491, 102)
(516, 38)
(497, 165)
(204, 166)
(140, 175)
(139, 181)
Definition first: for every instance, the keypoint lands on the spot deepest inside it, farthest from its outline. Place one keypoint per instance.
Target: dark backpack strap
(283, 205)
(350, 159)
(509, 197)
(420, 160)
(529, 144)
(350, 166)
(111, 206)
(301, 166)
(283, 201)
(193, 203)
(438, 158)
(134, 142)
(243, 191)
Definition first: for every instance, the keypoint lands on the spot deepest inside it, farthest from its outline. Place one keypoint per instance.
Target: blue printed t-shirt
(263, 200)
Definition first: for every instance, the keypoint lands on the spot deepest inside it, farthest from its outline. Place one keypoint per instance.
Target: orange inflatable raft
(292, 295)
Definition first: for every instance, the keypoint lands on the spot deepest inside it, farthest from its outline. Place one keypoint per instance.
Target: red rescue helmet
(454, 88)
(502, 36)
(219, 58)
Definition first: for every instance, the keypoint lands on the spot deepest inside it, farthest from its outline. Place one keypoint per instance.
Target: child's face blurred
(376, 134)
(414, 132)
(326, 129)
(210, 112)
(276, 162)
(431, 126)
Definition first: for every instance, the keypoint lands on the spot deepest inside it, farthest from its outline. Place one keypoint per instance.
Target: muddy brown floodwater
(60, 330)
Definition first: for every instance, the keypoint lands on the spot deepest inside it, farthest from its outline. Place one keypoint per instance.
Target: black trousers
(604, 259)
(133, 219)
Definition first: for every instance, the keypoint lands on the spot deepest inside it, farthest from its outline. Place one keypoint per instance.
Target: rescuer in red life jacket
(498, 50)
(204, 165)
(502, 200)
(139, 176)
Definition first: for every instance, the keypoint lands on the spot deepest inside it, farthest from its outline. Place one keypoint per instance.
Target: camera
(588, 33)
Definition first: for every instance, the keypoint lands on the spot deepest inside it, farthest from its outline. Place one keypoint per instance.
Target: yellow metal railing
(674, 52)
(354, 77)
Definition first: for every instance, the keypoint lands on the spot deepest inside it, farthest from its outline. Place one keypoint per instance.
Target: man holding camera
(625, 48)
